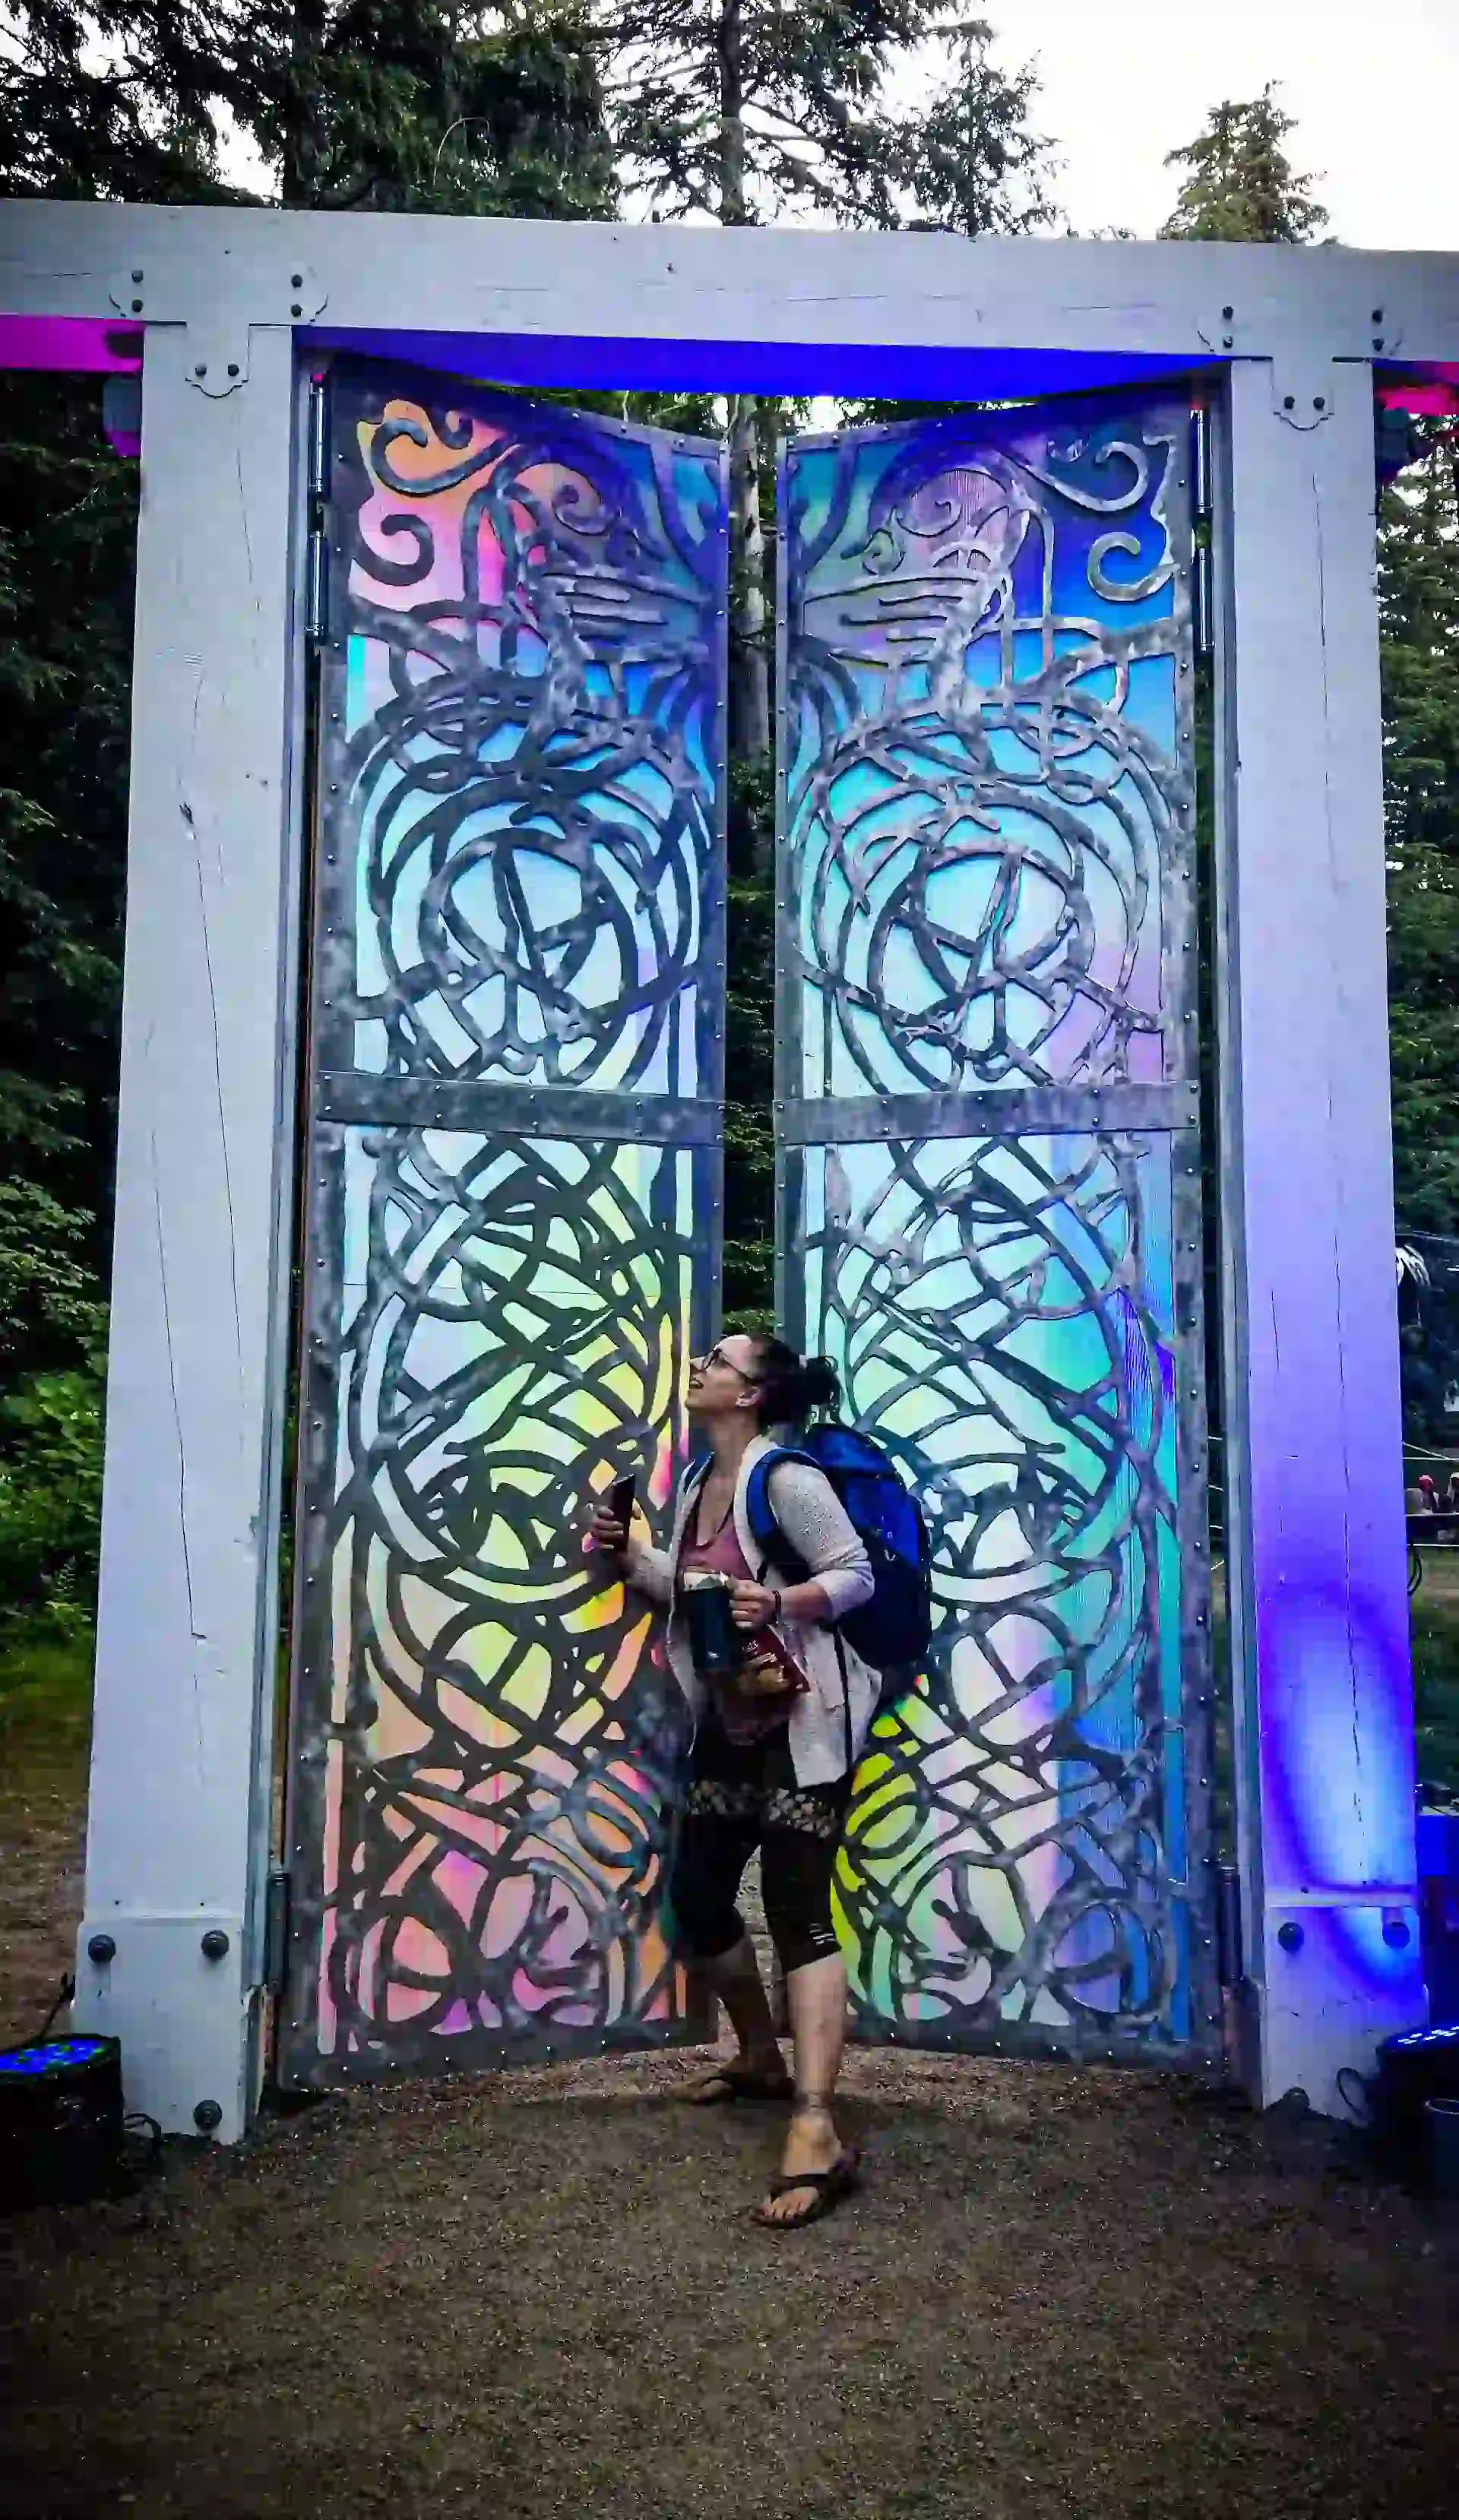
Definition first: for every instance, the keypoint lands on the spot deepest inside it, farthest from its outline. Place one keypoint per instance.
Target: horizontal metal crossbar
(542, 1111)
(1050, 1112)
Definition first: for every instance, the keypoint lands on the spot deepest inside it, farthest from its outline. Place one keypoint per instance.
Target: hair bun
(791, 1386)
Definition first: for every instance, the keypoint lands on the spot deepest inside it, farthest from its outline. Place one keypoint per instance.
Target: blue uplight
(47, 2055)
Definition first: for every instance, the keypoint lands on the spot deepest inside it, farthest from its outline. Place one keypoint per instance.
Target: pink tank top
(741, 1719)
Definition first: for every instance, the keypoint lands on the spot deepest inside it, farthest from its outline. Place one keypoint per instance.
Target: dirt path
(1059, 2297)
(42, 1860)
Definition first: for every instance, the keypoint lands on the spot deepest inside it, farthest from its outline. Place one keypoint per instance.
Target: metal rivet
(295, 309)
(1377, 311)
(206, 2115)
(136, 275)
(101, 1948)
(136, 305)
(233, 367)
(1289, 1935)
(1289, 402)
(214, 1943)
(295, 280)
(1227, 312)
(1319, 402)
(201, 368)
(1225, 340)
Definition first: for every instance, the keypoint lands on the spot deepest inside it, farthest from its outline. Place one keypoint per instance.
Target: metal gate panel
(513, 1235)
(987, 1125)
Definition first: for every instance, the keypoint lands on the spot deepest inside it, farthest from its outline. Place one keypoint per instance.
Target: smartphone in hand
(620, 1497)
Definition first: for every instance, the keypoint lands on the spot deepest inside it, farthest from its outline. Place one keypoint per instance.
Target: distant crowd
(1426, 1499)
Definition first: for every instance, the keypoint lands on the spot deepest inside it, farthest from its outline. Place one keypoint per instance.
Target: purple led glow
(79, 345)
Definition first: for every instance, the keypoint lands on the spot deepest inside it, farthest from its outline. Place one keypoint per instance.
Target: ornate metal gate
(513, 1218)
(986, 1116)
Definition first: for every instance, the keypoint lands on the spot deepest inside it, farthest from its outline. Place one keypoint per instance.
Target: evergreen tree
(739, 110)
(733, 110)
(423, 104)
(973, 164)
(1418, 585)
(382, 102)
(1241, 187)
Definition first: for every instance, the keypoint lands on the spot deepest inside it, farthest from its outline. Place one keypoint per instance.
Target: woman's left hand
(753, 1605)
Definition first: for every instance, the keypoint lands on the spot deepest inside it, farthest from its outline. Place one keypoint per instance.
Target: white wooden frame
(182, 1776)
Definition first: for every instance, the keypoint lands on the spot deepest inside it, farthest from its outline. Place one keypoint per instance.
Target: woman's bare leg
(734, 1977)
(817, 1999)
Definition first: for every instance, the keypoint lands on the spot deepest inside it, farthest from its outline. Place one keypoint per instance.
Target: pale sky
(1373, 87)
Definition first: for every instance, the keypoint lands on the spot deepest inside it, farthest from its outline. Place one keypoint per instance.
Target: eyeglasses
(716, 1356)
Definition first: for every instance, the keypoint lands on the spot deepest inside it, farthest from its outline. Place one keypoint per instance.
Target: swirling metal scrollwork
(498, 1806)
(988, 1047)
(990, 1303)
(528, 772)
(516, 1029)
(983, 820)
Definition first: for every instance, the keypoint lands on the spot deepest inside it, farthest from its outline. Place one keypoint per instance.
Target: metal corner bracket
(215, 332)
(1301, 380)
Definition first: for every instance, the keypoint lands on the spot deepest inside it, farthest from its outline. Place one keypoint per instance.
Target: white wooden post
(177, 1833)
(1318, 1567)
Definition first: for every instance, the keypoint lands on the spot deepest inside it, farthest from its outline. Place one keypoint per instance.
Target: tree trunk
(749, 652)
(749, 655)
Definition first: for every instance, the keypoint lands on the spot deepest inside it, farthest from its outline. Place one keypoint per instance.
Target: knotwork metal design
(518, 1340)
(1005, 1331)
(528, 773)
(513, 1217)
(991, 1218)
(980, 810)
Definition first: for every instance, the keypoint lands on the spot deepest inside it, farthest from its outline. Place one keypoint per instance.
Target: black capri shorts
(739, 1796)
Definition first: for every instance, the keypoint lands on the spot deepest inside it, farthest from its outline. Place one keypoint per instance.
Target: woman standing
(774, 1749)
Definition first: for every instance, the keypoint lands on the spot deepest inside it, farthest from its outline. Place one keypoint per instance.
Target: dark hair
(791, 1385)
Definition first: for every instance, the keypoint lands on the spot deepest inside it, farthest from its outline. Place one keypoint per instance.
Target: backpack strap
(759, 1513)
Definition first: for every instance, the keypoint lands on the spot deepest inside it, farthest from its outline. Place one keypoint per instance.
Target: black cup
(714, 1641)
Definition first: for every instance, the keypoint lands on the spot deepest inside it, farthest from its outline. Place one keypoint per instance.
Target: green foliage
(50, 1501)
(971, 162)
(111, 101)
(730, 107)
(1418, 584)
(749, 1054)
(1240, 187)
(66, 511)
(1435, 1633)
(409, 105)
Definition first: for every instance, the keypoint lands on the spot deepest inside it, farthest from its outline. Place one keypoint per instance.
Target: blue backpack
(891, 1631)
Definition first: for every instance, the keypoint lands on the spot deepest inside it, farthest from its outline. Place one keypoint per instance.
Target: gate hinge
(276, 1930)
(316, 585)
(1201, 623)
(1228, 1928)
(319, 485)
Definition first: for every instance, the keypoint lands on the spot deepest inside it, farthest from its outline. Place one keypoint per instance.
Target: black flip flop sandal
(828, 2188)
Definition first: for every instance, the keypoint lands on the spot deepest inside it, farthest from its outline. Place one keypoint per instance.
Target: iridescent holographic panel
(986, 785)
(523, 747)
(487, 1734)
(513, 1218)
(1019, 1861)
(987, 1104)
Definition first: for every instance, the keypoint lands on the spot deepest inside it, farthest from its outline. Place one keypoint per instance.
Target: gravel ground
(1084, 2295)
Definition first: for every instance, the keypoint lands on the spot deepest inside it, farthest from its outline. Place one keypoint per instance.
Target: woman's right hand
(607, 1533)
